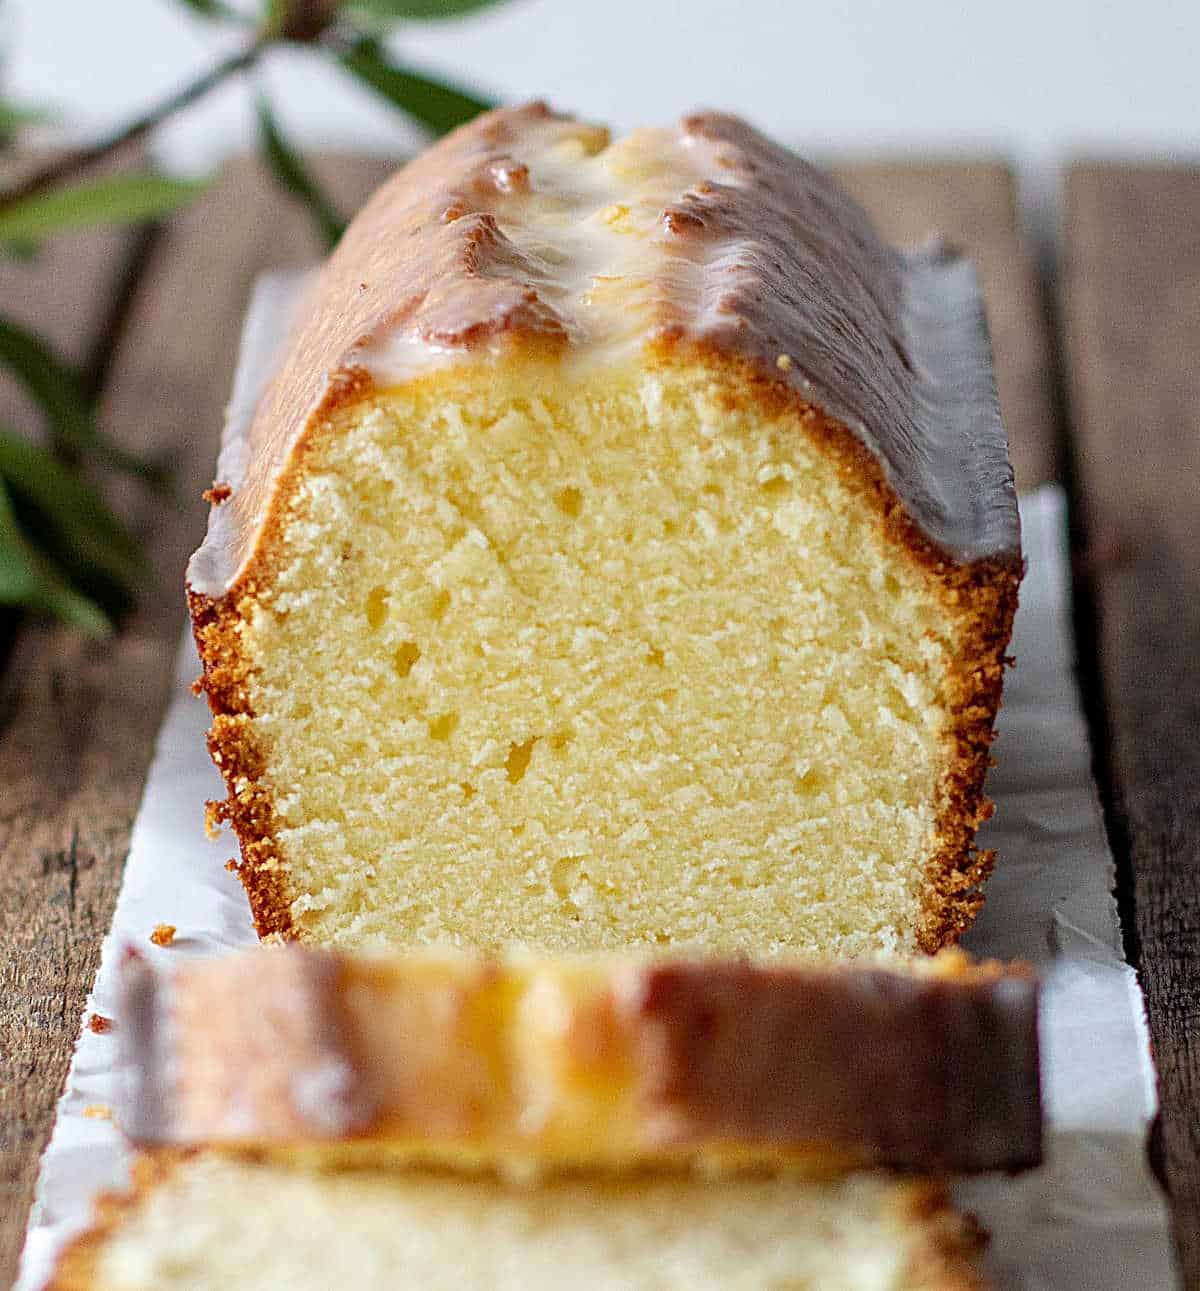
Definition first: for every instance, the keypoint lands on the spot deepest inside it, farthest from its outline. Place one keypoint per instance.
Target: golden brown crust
(238, 758)
(930, 1074)
(706, 1060)
(952, 1242)
(77, 1267)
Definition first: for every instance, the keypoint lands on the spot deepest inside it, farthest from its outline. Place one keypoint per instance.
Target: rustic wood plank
(77, 719)
(1131, 298)
(68, 295)
(84, 717)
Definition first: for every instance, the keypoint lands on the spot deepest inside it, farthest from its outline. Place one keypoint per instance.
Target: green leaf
(117, 199)
(304, 21)
(213, 9)
(27, 579)
(435, 104)
(290, 171)
(27, 251)
(13, 116)
(89, 532)
(58, 389)
(56, 386)
(273, 19)
(420, 9)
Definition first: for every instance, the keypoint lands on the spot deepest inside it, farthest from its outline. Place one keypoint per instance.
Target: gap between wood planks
(1131, 296)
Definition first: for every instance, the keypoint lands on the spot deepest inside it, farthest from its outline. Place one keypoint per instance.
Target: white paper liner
(1092, 1219)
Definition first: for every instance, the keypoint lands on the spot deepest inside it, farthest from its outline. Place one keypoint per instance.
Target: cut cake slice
(208, 1223)
(605, 1062)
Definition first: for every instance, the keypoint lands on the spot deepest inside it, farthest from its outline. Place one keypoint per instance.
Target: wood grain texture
(77, 720)
(67, 294)
(80, 720)
(1131, 304)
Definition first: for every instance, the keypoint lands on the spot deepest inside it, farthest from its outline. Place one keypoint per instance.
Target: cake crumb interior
(594, 659)
(371, 1229)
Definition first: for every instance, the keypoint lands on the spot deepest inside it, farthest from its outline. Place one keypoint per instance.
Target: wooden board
(1131, 297)
(74, 751)
(69, 295)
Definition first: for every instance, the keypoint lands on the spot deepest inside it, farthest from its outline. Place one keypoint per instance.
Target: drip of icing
(587, 229)
(530, 228)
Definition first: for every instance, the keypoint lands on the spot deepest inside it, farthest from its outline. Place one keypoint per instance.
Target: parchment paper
(1091, 1219)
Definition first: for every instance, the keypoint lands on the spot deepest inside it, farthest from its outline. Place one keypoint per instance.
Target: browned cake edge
(981, 595)
(77, 1268)
(721, 1061)
(946, 1259)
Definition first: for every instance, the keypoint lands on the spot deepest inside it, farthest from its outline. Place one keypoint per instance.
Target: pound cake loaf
(211, 1224)
(618, 546)
(527, 1064)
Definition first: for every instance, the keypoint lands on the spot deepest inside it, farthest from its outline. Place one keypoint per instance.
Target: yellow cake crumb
(199, 1225)
(519, 676)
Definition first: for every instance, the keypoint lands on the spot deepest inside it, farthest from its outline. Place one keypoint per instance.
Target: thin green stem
(79, 159)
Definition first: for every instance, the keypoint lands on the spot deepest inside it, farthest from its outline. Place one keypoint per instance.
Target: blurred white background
(1033, 79)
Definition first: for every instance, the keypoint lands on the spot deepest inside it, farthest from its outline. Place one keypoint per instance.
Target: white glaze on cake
(527, 228)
